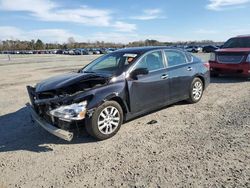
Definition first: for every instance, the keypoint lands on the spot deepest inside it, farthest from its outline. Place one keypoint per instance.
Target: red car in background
(232, 58)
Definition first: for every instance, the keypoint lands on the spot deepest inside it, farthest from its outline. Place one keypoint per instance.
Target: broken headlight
(76, 111)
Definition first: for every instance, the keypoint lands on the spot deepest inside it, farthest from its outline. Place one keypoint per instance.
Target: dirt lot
(201, 145)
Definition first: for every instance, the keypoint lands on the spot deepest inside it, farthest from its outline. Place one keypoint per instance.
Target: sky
(123, 21)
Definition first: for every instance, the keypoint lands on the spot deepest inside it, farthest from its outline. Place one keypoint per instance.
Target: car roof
(242, 36)
(141, 50)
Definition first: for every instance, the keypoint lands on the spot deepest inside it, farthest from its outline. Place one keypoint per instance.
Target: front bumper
(220, 68)
(66, 135)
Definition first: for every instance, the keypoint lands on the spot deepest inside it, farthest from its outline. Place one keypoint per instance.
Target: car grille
(230, 59)
(42, 111)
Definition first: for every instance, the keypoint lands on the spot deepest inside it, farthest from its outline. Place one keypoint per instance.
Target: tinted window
(243, 42)
(152, 61)
(175, 58)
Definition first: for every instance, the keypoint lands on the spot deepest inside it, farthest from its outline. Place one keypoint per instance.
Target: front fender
(98, 96)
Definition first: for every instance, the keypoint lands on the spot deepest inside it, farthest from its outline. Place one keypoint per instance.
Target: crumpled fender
(99, 95)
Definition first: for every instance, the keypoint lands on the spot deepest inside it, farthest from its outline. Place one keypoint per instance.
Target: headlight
(212, 57)
(76, 111)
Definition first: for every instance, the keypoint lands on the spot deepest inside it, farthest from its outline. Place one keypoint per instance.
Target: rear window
(243, 42)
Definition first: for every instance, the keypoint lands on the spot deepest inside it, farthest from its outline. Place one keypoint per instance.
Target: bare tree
(71, 42)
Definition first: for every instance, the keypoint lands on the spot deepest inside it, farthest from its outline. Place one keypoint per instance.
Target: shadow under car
(18, 132)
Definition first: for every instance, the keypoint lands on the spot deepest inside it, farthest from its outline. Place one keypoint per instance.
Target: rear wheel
(106, 121)
(196, 90)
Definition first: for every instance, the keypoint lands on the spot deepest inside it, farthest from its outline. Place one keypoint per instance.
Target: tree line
(71, 43)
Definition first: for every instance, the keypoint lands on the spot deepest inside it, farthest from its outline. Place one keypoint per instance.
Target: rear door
(180, 72)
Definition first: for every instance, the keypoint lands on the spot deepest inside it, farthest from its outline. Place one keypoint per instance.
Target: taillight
(206, 65)
(248, 58)
(212, 57)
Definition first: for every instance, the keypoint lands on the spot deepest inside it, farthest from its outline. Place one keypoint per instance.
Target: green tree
(39, 45)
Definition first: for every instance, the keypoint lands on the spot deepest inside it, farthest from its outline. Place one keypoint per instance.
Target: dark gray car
(115, 88)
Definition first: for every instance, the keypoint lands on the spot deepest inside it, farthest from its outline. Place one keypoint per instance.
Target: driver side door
(149, 91)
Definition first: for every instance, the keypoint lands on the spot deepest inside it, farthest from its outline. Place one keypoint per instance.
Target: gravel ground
(201, 145)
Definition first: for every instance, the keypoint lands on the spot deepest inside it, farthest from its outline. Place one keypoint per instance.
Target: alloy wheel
(197, 90)
(108, 120)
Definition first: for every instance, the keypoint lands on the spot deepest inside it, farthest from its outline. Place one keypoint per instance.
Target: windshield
(243, 42)
(112, 63)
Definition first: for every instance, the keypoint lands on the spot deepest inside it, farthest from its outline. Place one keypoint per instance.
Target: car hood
(66, 80)
(245, 50)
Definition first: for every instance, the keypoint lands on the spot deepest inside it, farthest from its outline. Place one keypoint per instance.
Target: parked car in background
(209, 49)
(72, 52)
(81, 51)
(89, 51)
(109, 50)
(66, 51)
(115, 88)
(103, 50)
(59, 52)
(232, 58)
(199, 48)
(192, 49)
(96, 51)
(53, 51)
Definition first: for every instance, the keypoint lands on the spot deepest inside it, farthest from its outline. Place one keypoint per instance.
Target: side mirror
(139, 71)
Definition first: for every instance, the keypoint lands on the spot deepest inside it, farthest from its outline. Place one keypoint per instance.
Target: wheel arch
(202, 79)
(117, 98)
(120, 102)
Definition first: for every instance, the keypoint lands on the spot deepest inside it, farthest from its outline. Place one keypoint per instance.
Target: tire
(106, 121)
(196, 90)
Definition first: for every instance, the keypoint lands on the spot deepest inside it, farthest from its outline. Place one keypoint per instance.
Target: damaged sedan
(116, 88)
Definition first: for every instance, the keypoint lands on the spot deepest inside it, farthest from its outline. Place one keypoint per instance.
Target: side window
(152, 61)
(175, 58)
(189, 57)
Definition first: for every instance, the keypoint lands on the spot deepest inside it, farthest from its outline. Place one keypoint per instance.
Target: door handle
(189, 68)
(164, 76)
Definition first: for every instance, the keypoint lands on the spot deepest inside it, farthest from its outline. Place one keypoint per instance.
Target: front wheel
(195, 91)
(106, 121)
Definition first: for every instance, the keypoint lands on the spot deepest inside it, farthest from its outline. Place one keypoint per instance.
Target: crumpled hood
(65, 80)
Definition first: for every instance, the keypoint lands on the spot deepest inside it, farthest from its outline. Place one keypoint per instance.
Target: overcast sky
(123, 21)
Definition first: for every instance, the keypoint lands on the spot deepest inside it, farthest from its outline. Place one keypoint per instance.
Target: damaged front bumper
(63, 134)
(48, 112)
(45, 121)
